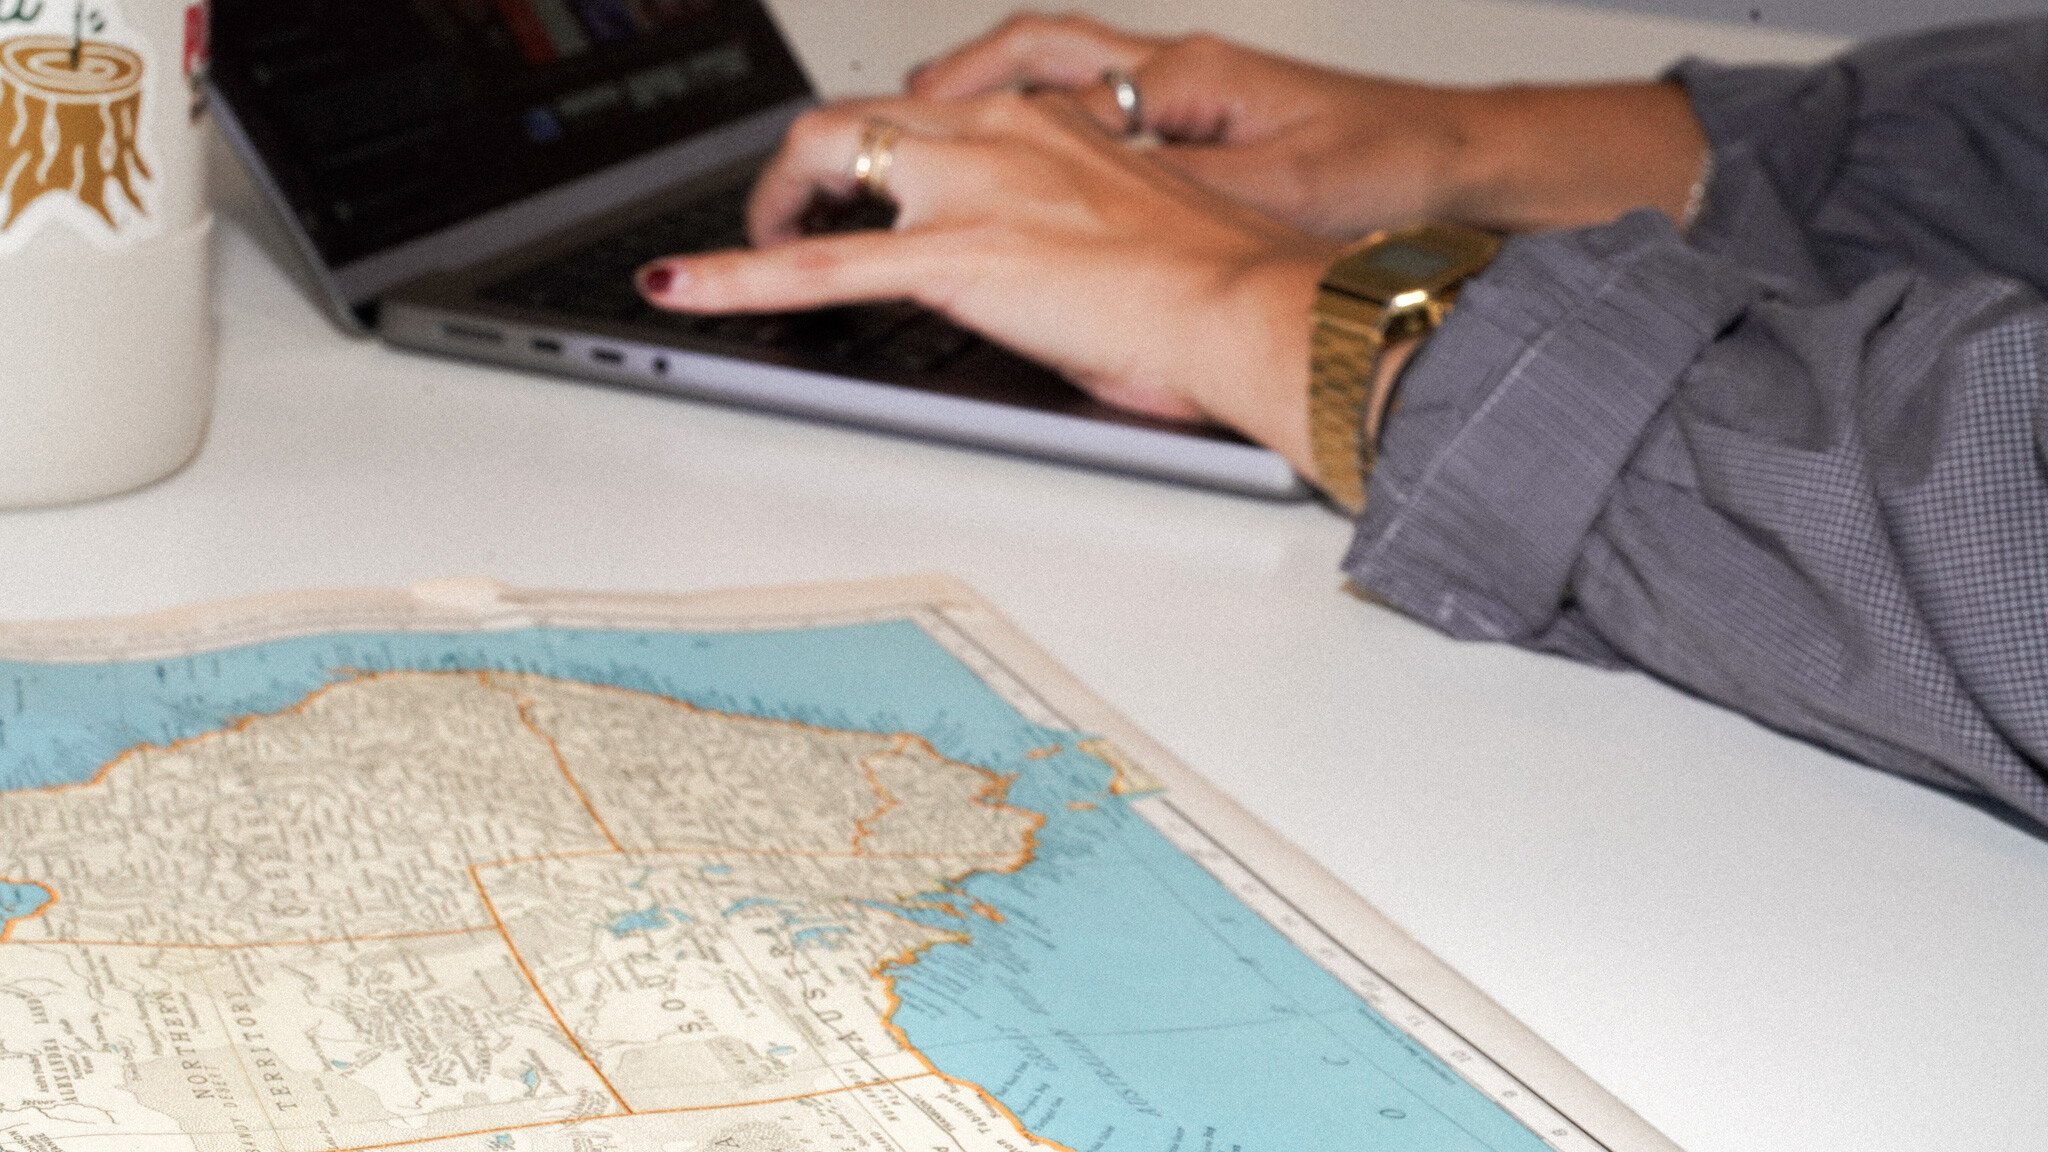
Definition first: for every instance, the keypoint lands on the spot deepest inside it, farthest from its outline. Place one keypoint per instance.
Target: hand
(1341, 154)
(1020, 218)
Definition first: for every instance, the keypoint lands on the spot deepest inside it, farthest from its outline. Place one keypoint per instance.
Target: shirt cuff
(1793, 118)
(1517, 417)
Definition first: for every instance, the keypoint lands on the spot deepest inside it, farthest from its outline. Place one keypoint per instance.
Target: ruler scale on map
(842, 869)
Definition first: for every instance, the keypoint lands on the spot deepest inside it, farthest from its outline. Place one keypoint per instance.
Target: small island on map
(501, 909)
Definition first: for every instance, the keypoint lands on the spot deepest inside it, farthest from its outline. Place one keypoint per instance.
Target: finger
(1098, 100)
(1201, 90)
(929, 267)
(818, 272)
(1175, 103)
(817, 159)
(1032, 49)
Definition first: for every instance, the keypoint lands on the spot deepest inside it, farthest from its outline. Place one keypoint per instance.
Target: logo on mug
(72, 121)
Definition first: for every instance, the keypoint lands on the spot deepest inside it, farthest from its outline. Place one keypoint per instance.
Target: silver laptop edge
(1124, 448)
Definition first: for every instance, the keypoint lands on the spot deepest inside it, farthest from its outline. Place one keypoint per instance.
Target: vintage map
(837, 871)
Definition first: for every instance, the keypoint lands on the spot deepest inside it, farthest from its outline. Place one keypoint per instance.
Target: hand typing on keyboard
(1022, 219)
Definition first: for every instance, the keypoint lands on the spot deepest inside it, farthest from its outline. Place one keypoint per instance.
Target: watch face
(1409, 262)
(1428, 258)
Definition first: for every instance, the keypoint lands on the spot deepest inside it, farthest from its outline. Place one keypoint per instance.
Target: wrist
(1393, 362)
(1265, 396)
(1531, 158)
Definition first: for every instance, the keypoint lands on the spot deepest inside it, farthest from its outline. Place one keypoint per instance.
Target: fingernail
(657, 281)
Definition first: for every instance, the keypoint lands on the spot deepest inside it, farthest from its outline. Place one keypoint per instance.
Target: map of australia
(854, 871)
(422, 906)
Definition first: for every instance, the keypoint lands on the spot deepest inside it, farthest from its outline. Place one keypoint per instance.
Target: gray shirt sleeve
(1796, 466)
(1927, 152)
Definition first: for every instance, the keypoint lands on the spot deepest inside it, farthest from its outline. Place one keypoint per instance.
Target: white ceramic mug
(106, 326)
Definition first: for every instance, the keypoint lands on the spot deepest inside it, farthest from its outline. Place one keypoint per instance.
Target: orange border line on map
(574, 1120)
(881, 972)
(567, 1033)
(233, 727)
(524, 706)
(903, 743)
(885, 803)
(236, 726)
(998, 785)
(992, 793)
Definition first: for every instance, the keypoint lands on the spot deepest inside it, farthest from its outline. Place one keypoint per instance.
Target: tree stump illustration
(69, 130)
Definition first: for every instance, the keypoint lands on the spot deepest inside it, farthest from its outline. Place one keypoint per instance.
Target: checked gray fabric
(1796, 463)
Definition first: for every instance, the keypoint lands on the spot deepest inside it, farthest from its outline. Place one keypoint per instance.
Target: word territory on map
(838, 869)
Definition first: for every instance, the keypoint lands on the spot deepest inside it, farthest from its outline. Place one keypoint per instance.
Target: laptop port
(472, 334)
(661, 365)
(608, 355)
(548, 345)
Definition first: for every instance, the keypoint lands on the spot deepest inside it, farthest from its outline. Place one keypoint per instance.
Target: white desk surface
(1755, 944)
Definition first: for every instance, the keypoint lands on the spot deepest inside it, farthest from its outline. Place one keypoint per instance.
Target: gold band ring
(876, 157)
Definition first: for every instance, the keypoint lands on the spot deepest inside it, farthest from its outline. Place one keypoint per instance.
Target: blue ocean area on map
(20, 901)
(1120, 999)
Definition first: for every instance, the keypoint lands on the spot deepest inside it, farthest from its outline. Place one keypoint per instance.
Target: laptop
(480, 179)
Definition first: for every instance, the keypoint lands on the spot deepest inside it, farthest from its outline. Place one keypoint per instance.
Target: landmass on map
(499, 910)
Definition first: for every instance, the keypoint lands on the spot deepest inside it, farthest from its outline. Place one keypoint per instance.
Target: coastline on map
(20, 902)
(1111, 994)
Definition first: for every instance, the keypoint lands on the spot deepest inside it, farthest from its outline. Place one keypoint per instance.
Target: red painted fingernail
(656, 281)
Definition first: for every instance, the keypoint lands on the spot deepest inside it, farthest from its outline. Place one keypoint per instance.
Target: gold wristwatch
(1386, 288)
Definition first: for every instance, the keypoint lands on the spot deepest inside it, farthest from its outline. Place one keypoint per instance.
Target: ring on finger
(1129, 101)
(877, 156)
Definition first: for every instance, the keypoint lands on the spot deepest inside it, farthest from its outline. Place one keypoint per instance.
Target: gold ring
(877, 156)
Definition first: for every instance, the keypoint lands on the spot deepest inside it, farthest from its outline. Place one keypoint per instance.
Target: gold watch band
(1344, 369)
(1391, 286)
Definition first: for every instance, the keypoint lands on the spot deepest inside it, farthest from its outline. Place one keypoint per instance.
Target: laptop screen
(383, 121)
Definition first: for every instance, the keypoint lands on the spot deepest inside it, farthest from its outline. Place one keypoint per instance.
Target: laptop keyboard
(596, 282)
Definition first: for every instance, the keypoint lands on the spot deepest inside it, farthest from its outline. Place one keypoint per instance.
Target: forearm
(1628, 451)
(1534, 158)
